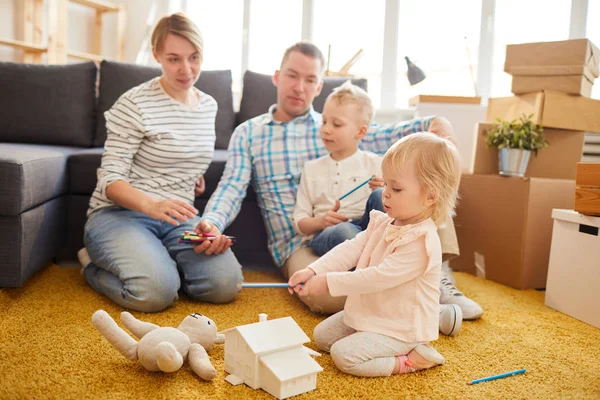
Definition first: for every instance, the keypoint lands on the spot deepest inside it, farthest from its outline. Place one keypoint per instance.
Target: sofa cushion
(31, 175)
(117, 78)
(48, 104)
(259, 93)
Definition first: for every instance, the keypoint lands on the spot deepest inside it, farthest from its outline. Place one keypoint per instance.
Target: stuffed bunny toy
(163, 348)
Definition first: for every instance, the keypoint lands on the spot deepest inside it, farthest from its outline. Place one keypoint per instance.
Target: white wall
(80, 29)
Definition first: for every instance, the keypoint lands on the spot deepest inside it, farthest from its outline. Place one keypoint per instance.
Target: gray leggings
(359, 353)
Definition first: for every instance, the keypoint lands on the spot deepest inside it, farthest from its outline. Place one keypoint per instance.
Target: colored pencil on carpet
(494, 377)
(355, 189)
(264, 285)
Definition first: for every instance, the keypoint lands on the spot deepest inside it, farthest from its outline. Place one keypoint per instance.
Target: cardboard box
(572, 84)
(504, 227)
(558, 160)
(550, 109)
(573, 285)
(427, 98)
(587, 193)
(567, 57)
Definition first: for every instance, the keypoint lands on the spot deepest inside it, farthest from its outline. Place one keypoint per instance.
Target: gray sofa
(52, 132)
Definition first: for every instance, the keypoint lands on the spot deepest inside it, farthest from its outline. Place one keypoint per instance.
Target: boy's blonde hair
(437, 166)
(348, 93)
(180, 25)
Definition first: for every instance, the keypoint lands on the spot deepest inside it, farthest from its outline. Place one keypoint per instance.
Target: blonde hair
(180, 25)
(437, 166)
(348, 93)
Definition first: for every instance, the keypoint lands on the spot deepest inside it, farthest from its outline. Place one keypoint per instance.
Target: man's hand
(299, 278)
(315, 286)
(376, 183)
(442, 127)
(169, 210)
(215, 246)
(333, 217)
(200, 187)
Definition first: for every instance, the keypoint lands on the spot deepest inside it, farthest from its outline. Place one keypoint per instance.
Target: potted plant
(516, 140)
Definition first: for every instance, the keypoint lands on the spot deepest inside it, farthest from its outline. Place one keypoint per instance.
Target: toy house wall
(299, 385)
(269, 382)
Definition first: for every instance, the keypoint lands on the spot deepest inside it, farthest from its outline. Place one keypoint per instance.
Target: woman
(160, 141)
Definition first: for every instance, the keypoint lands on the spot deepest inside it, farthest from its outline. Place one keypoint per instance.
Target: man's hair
(437, 166)
(306, 48)
(348, 93)
(180, 25)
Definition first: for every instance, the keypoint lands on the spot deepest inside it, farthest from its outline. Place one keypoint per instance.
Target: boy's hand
(299, 278)
(200, 187)
(216, 246)
(315, 286)
(333, 217)
(376, 183)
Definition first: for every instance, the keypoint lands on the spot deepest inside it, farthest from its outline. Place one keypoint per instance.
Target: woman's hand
(170, 210)
(376, 183)
(333, 217)
(200, 187)
(299, 278)
(315, 286)
(218, 245)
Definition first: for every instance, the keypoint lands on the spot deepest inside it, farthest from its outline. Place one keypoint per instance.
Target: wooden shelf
(100, 5)
(85, 56)
(23, 45)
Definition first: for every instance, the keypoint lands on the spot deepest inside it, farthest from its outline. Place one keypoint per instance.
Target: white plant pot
(513, 162)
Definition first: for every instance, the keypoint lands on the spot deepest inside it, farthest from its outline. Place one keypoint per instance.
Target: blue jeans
(138, 263)
(331, 236)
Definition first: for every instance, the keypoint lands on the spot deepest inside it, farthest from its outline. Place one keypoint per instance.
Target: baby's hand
(300, 278)
(315, 286)
(376, 183)
(333, 217)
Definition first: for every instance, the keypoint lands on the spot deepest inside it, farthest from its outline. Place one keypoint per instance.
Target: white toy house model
(270, 355)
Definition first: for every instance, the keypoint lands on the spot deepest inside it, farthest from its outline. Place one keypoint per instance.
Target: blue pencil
(493, 377)
(264, 285)
(355, 189)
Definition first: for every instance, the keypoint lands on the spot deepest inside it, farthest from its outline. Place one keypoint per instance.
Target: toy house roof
(290, 364)
(274, 334)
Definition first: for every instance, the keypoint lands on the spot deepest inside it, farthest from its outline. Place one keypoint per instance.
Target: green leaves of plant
(517, 134)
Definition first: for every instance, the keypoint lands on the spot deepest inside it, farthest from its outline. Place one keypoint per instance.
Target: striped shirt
(270, 155)
(156, 144)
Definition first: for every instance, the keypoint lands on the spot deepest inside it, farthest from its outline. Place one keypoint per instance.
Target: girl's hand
(376, 183)
(315, 286)
(299, 278)
(333, 217)
(170, 211)
(214, 246)
(200, 187)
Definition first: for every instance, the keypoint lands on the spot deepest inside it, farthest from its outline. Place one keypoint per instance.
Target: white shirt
(325, 180)
(158, 145)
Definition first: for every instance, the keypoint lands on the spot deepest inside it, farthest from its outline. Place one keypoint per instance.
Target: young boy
(320, 215)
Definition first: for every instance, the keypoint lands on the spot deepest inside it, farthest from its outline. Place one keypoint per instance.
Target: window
(593, 33)
(269, 35)
(444, 44)
(221, 25)
(519, 21)
(348, 26)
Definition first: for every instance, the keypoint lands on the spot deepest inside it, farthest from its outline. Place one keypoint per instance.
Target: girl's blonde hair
(437, 166)
(177, 24)
(349, 93)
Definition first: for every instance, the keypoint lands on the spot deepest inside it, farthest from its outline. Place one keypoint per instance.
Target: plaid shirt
(270, 155)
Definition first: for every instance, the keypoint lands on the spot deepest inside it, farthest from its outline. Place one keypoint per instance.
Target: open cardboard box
(504, 227)
(550, 109)
(558, 160)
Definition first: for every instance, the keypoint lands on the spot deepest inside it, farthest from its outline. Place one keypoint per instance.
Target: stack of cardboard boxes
(504, 224)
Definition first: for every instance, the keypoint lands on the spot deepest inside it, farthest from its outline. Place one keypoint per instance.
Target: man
(270, 150)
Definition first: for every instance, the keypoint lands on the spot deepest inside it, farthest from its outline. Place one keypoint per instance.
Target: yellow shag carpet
(49, 349)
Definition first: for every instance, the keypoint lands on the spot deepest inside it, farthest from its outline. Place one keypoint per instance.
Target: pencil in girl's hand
(356, 188)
